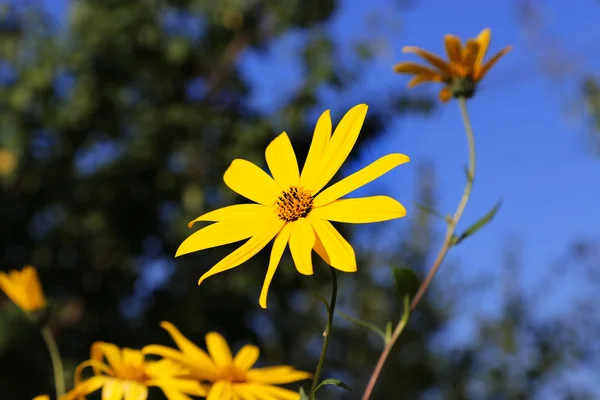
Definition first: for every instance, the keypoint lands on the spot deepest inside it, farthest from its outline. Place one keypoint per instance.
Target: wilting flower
(230, 377)
(291, 206)
(463, 70)
(125, 374)
(24, 289)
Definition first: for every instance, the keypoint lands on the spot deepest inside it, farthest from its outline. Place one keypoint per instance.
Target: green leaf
(303, 395)
(431, 211)
(407, 282)
(365, 324)
(483, 221)
(334, 382)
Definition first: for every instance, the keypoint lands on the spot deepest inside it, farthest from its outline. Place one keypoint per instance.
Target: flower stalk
(57, 366)
(447, 244)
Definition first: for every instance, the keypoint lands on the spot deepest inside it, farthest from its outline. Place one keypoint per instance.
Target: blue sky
(530, 154)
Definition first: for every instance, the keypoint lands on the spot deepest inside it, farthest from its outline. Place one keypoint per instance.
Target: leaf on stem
(483, 221)
(364, 324)
(303, 395)
(334, 382)
(431, 211)
(407, 282)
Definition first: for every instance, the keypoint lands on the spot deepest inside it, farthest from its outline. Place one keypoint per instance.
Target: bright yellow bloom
(231, 378)
(24, 288)
(291, 206)
(42, 397)
(125, 374)
(463, 70)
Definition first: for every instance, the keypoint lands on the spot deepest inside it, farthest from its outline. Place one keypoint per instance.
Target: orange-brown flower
(462, 72)
(24, 289)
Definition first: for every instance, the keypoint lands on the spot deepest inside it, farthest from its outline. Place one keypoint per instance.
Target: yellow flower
(230, 377)
(125, 374)
(291, 206)
(42, 397)
(24, 289)
(461, 73)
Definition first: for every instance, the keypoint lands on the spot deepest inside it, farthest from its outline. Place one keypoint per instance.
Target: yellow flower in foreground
(231, 378)
(125, 374)
(463, 70)
(24, 289)
(42, 397)
(291, 206)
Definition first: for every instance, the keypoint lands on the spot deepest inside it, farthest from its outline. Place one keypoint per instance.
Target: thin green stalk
(57, 367)
(326, 334)
(442, 253)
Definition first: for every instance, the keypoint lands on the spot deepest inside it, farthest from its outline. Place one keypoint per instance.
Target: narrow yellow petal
(407, 67)
(282, 162)
(453, 49)
(244, 390)
(134, 391)
(341, 143)
(221, 390)
(86, 387)
(319, 142)
(445, 94)
(361, 210)
(188, 348)
(111, 352)
(277, 392)
(219, 234)
(360, 178)
(175, 386)
(234, 212)
(430, 58)
(246, 357)
(424, 78)
(132, 358)
(279, 375)
(302, 241)
(243, 253)
(200, 370)
(320, 250)
(112, 390)
(248, 180)
(484, 38)
(219, 349)
(469, 55)
(479, 75)
(340, 252)
(279, 244)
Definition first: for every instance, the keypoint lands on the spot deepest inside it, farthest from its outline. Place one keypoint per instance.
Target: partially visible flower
(292, 208)
(230, 377)
(8, 162)
(463, 70)
(24, 289)
(125, 374)
(42, 397)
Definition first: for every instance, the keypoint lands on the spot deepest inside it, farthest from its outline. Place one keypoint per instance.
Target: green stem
(442, 253)
(57, 367)
(326, 334)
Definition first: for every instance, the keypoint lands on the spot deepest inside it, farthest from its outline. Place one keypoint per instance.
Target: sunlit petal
(429, 57)
(484, 38)
(470, 53)
(248, 180)
(134, 391)
(276, 252)
(234, 212)
(282, 162)
(360, 178)
(361, 210)
(279, 375)
(490, 63)
(188, 386)
(277, 392)
(246, 357)
(453, 48)
(320, 139)
(188, 348)
(219, 349)
(339, 251)
(112, 390)
(221, 390)
(100, 350)
(302, 241)
(407, 67)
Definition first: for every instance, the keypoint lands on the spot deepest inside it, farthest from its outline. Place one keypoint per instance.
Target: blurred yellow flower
(290, 207)
(24, 289)
(8, 161)
(231, 378)
(463, 70)
(42, 397)
(125, 374)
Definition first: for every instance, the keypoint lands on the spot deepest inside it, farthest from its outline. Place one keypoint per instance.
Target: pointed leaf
(483, 221)
(334, 382)
(431, 211)
(364, 324)
(303, 395)
(407, 282)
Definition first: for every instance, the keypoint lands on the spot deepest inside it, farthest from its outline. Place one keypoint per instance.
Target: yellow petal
(246, 357)
(429, 57)
(42, 397)
(361, 210)
(86, 387)
(424, 78)
(453, 49)
(9, 289)
(339, 146)
(219, 234)
(201, 371)
(267, 392)
(134, 391)
(282, 162)
(244, 391)
(219, 349)
(490, 63)
(483, 39)
(276, 252)
(112, 390)
(234, 212)
(302, 241)
(320, 250)
(279, 375)
(445, 94)
(35, 294)
(407, 67)
(360, 178)
(319, 142)
(196, 355)
(339, 251)
(132, 358)
(111, 352)
(173, 387)
(256, 243)
(250, 181)
(470, 53)
(221, 390)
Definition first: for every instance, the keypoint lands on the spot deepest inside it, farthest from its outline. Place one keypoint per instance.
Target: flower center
(294, 203)
(233, 374)
(132, 373)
